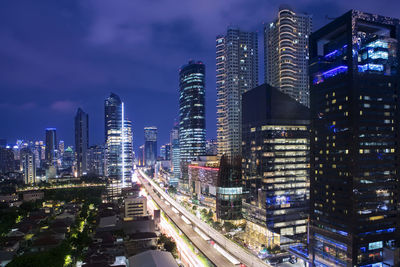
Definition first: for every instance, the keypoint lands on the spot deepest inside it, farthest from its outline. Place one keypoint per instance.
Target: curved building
(286, 53)
(192, 124)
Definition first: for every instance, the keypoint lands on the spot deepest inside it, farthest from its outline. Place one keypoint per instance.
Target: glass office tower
(192, 123)
(51, 146)
(275, 152)
(150, 145)
(81, 141)
(119, 148)
(354, 192)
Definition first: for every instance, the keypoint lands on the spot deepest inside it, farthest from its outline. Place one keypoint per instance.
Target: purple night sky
(59, 55)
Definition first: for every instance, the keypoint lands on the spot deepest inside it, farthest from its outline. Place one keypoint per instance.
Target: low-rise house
(153, 258)
(32, 195)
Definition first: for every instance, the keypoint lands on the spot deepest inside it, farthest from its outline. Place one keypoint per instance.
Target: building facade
(81, 141)
(119, 147)
(286, 53)
(192, 124)
(150, 145)
(175, 156)
(96, 159)
(237, 72)
(276, 162)
(28, 166)
(354, 192)
(135, 206)
(51, 146)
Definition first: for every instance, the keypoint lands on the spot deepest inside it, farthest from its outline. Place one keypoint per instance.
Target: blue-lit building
(150, 145)
(175, 156)
(118, 133)
(354, 182)
(192, 124)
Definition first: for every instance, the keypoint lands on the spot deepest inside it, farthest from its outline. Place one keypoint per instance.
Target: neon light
(370, 66)
(334, 71)
(203, 168)
(123, 145)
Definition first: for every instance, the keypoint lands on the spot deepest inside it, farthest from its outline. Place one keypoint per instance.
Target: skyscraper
(276, 164)
(150, 145)
(192, 124)
(175, 156)
(81, 141)
(28, 166)
(237, 72)
(286, 53)
(354, 71)
(96, 160)
(51, 146)
(119, 148)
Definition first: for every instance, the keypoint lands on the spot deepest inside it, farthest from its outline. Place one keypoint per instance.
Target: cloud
(64, 106)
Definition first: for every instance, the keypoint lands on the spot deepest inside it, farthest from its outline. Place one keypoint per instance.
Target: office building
(237, 72)
(354, 71)
(135, 206)
(81, 141)
(229, 189)
(275, 151)
(192, 124)
(286, 53)
(150, 145)
(3, 143)
(7, 162)
(51, 146)
(211, 147)
(140, 157)
(119, 147)
(96, 159)
(28, 166)
(175, 156)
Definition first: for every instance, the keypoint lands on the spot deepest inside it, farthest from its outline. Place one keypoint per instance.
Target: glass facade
(81, 141)
(192, 124)
(150, 145)
(354, 143)
(276, 158)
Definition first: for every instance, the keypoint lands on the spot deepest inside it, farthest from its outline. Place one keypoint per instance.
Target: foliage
(229, 226)
(168, 243)
(172, 190)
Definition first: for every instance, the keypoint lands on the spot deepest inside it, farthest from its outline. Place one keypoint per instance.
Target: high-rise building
(162, 152)
(275, 151)
(150, 145)
(286, 53)
(28, 166)
(3, 143)
(354, 175)
(175, 156)
(81, 141)
(135, 207)
(211, 147)
(192, 124)
(229, 189)
(51, 146)
(119, 148)
(168, 151)
(96, 160)
(237, 72)
(69, 159)
(7, 162)
(141, 156)
(61, 147)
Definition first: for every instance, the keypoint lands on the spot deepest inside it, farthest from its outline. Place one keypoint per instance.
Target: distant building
(118, 133)
(237, 72)
(150, 145)
(51, 146)
(175, 156)
(32, 195)
(286, 53)
(135, 206)
(3, 143)
(211, 147)
(140, 156)
(68, 158)
(7, 163)
(28, 165)
(81, 141)
(96, 158)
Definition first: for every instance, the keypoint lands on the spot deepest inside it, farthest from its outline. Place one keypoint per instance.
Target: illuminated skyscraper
(237, 72)
(119, 148)
(192, 124)
(286, 53)
(96, 160)
(51, 146)
(354, 183)
(81, 141)
(175, 156)
(150, 145)
(28, 166)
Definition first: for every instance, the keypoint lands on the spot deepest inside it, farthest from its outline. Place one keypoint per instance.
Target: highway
(240, 253)
(214, 256)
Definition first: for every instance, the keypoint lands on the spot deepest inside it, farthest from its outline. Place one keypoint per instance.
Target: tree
(194, 207)
(229, 226)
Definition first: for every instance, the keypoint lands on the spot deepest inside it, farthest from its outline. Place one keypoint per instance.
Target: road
(214, 256)
(240, 253)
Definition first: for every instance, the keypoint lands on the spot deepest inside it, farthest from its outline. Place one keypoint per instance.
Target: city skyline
(54, 93)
